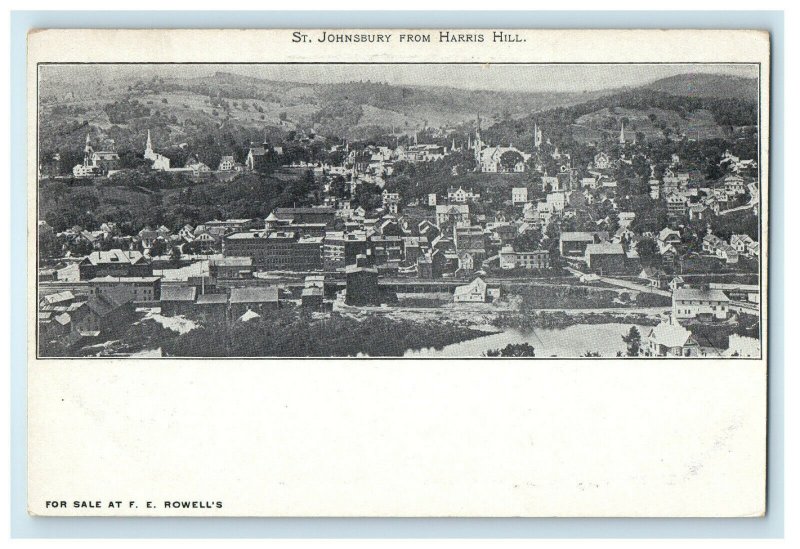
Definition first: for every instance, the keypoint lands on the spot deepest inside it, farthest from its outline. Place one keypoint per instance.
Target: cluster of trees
(293, 333)
(173, 201)
(124, 110)
(512, 350)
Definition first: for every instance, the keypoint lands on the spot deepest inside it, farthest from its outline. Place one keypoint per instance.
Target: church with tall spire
(95, 162)
(160, 162)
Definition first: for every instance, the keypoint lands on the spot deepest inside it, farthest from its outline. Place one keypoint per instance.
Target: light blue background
(23, 526)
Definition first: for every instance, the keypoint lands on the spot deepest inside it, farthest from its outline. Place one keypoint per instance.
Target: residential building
(461, 196)
(676, 205)
(536, 259)
(226, 163)
(519, 195)
(390, 201)
(671, 340)
(474, 292)
(690, 303)
(451, 213)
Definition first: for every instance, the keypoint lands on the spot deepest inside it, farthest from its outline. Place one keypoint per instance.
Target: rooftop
(670, 335)
(258, 294)
(698, 294)
(178, 293)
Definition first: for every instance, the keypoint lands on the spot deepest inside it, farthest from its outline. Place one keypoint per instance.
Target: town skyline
(212, 218)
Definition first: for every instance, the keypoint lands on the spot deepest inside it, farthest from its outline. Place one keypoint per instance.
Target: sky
(523, 78)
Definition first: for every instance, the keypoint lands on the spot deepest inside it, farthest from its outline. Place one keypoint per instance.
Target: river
(569, 342)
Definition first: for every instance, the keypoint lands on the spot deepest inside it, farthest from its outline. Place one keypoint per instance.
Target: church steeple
(622, 134)
(87, 152)
(148, 148)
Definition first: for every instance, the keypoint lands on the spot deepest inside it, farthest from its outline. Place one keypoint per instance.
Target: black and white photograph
(398, 273)
(404, 210)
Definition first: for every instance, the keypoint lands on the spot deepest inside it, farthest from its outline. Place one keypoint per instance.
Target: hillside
(647, 114)
(708, 86)
(180, 109)
(221, 113)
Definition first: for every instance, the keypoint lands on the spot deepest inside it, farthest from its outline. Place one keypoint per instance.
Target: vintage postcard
(385, 272)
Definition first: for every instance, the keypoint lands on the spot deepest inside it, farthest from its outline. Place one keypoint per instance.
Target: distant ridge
(706, 85)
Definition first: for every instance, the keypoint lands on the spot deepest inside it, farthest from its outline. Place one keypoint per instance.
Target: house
(601, 161)
(460, 196)
(259, 299)
(496, 160)
(451, 213)
(390, 201)
(655, 188)
(605, 258)
(551, 183)
(711, 242)
(734, 185)
(656, 278)
(626, 218)
(668, 239)
(474, 292)
(728, 253)
(742, 243)
(742, 347)
(676, 205)
(676, 282)
(312, 297)
(536, 259)
(671, 340)
(698, 212)
(472, 238)
(703, 304)
(574, 243)
(177, 300)
(519, 195)
(432, 198)
(226, 163)
(95, 163)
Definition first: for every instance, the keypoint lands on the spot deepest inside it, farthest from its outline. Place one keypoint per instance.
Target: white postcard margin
(405, 437)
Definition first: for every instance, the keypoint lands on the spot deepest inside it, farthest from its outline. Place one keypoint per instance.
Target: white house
(519, 195)
(668, 339)
(698, 303)
(474, 292)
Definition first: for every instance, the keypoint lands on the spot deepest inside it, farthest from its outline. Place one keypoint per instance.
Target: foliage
(290, 333)
(512, 350)
(633, 339)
